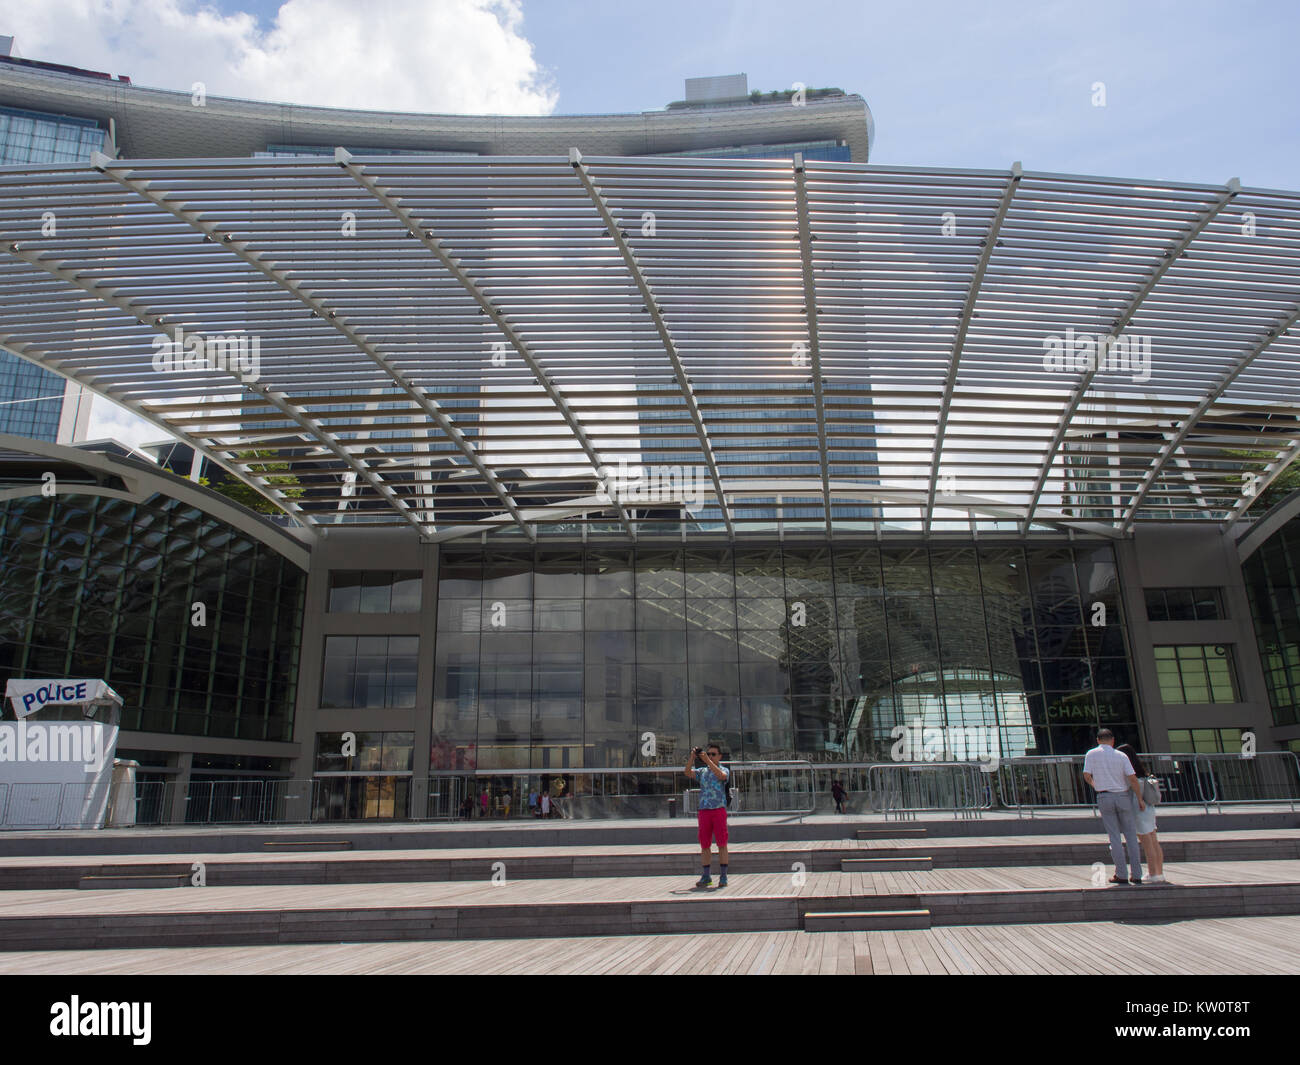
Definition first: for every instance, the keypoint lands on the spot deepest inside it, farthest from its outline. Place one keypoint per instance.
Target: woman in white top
(1146, 824)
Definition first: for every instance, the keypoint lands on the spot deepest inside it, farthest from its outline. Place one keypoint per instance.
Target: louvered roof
(520, 344)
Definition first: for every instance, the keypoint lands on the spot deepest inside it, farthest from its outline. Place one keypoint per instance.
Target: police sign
(28, 696)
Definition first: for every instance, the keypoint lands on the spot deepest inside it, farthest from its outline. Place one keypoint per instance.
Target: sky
(1196, 90)
(1199, 90)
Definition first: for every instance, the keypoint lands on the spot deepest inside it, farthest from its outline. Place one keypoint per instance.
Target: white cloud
(455, 56)
(452, 56)
(108, 421)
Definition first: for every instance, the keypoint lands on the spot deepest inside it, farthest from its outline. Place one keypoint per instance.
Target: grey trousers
(1117, 815)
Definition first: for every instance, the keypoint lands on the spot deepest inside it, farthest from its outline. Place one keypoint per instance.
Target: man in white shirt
(1111, 775)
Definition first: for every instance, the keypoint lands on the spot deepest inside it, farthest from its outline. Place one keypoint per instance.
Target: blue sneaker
(722, 880)
(704, 881)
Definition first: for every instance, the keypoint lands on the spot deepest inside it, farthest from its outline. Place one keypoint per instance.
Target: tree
(260, 464)
(1278, 489)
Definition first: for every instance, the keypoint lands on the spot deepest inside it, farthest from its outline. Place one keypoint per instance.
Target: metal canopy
(675, 346)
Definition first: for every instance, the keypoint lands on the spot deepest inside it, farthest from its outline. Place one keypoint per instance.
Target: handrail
(1186, 779)
(1026, 784)
(908, 788)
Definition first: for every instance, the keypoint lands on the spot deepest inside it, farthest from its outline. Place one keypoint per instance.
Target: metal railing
(784, 787)
(904, 789)
(778, 787)
(581, 794)
(1208, 780)
(795, 788)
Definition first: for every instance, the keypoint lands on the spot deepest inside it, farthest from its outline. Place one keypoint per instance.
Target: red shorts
(713, 825)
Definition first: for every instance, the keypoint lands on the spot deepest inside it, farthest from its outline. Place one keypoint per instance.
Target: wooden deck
(486, 851)
(1255, 945)
(604, 889)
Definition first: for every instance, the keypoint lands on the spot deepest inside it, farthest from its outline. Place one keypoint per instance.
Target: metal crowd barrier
(769, 787)
(584, 794)
(1207, 780)
(776, 787)
(795, 788)
(904, 789)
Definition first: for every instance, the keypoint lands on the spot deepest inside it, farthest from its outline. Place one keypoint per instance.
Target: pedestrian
(532, 802)
(1146, 819)
(1111, 775)
(546, 804)
(837, 793)
(505, 807)
(483, 803)
(704, 767)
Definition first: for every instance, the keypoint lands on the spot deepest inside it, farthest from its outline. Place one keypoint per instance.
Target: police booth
(57, 753)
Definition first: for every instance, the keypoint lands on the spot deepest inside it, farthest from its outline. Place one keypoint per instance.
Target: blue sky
(1199, 91)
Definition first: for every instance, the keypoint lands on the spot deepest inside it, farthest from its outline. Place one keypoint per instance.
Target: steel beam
(1116, 328)
(810, 305)
(425, 235)
(19, 347)
(1211, 398)
(1270, 473)
(243, 250)
(963, 325)
(665, 335)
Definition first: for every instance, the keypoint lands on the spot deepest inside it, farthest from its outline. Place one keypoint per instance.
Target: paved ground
(1242, 945)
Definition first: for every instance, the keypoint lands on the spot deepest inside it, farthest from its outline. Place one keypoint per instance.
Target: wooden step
(308, 844)
(136, 880)
(865, 920)
(892, 833)
(922, 862)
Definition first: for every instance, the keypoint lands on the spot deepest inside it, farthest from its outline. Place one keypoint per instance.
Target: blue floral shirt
(712, 790)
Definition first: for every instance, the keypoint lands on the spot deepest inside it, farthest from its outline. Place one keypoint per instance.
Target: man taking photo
(702, 766)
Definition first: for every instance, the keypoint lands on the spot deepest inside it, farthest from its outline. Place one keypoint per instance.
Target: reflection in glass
(818, 654)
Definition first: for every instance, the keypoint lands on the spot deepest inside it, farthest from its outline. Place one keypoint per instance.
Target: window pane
(345, 592)
(1157, 609)
(1180, 604)
(406, 593)
(376, 592)
(557, 615)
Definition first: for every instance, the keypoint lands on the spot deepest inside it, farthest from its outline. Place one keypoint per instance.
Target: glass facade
(1272, 576)
(1185, 604)
(38, 137)
(98, 587)
(374, 592)
(1205, 740)
(369, 671)
(597, 656)
(830, 150)
(1196, 673)
(31, 399)
(371, 781)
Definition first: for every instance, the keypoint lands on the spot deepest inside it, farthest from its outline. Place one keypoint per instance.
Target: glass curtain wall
(613, 656)
(96, 587)
(1272, 576)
